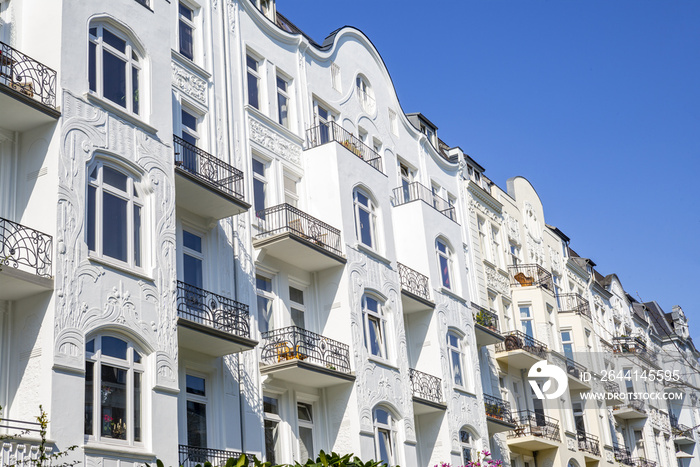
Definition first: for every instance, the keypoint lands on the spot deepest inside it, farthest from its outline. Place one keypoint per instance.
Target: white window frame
(193, 132)
(466, 444)
(188, 23)
(296, 305)
(308, 425)
(261, 178)
(277, 419)
(371, 210)
(481, 225)
(388, 428)
(193, 253)
(336, 82)
(291, 197)
(365, 94)
(285, 94)
(447, 256)
(529, 318)
(393, 123)
(198, 399)
(496, 245)
(134, 197)
(456, 349)
(268, 295)
(133, 59)
(369, 316)
(253, 74)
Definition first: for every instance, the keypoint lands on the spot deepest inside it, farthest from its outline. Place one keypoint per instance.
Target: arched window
(375, 326)
(113, 390)
(444, 257)
(365, 218)
(384, 436)
(454, 347)
(115, 67)
(466, 444)
(365, 94)
(114, 217)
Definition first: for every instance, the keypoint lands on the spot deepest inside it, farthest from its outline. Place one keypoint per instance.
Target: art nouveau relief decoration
(87, 297)
(477, 206)
(512, 227)
(556, 258)
(496, 281)
(188, 83)
(273, 141)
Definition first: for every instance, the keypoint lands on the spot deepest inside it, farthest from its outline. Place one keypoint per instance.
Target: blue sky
(597, 103)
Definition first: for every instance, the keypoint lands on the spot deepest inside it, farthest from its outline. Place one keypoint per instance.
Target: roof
(558, 232)
(422, 117)
(638, 311)
(283, 23)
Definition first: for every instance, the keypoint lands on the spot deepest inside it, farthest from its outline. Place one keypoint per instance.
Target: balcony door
(324, 120)
(190, 134)
(192, 275)
(196, 393)
(526, 321)
(639, 450)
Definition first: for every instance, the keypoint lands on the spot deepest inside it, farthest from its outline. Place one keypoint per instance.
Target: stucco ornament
(497, 282)
(477, 206)
(275, 142)
(512, 227)
(532, 224)
(188, 83)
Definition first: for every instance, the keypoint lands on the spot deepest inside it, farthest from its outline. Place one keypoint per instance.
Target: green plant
(323, 460)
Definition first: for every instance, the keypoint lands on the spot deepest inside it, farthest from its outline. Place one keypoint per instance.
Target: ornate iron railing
(414, 282)
(622, 455)
(26, 76)
(417, 191)
(642, 462)
(295, 343)
(636, 404)
(212, 310)
(573, 303)
(611, 387)
(588, 443)
(207, 168)
(515, 340)
(25, 249)
(425, 386)
(525, 275)
(331, 131)
(285, 218)
(484, 317)
(498, 409)
(627, 344)
(678, 430)
(531, 423)
(191, 456)
(575, 369)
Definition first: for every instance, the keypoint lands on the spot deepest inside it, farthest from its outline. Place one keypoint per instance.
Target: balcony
(25, 261)
(682, 434)
(417, 192)
(292, 236)
(499, 417)
(20, 442)
(629, 345)
(27, 91)
(642, 462)
(588, 443)
(485, 326)
(613, 389)
(210, 323)
(206, 185)
(579, 378)
(415, 290)
(534, 432)
(298, 356)
(427, 392)
(623, 456)
(331, 131)
(632, 410)
(530, 275)
(192, 456)
(519, 350)
(574, 303)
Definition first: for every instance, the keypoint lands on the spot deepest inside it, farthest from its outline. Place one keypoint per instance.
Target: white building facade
(219, 236)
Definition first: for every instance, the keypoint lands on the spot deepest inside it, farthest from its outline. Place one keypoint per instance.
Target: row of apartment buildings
(219, 236)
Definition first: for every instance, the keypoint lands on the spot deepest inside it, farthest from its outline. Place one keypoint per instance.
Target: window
(393, 123)
(196, 395)
(296, 307)
(114, 68)
(406, 177)
(629, 384)
(384, 437)
(188, 130)
(567, 344)
(253, 82)
(481, 227)
(557, 289)
(282, 101)
(272, 424)
(365, 218)
(444, 255)
(114, 215)
(374, 324)
(579, 421)
(365, 94)
(291, 196)
(306, 431)
(186, 31)
(263, 286)
(324, 120)
(113, 390)
(466, 443)
(259, 187)
(526, 321)
(495, 246)
(454, 347)
(376, 145)
(192, 259)
(335, 77)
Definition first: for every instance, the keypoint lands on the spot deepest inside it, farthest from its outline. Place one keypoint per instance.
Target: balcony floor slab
(16, 284)
(307, 374)
(210, 341)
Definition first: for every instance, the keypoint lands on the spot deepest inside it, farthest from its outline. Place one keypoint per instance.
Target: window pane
(189, 120)
(375, 337)
(264, 314)
(372, 304)
(524, 312)
(296, 295)
(114, 78)
(135, 89)
(252, 63)
(195, 385)
(193, 271)
(282, 109)
(113, 393)
(527, 328)
(90, 346)
(137, 406)
(298, 318)
(381, 416)
(271, 441)
(384, 442)
(253, 90)
(114, 178)
(92, 221)
(270, 405)
(186, 12)
(92, 66)
(365, 228)
(137, 236)
(304, 412)
(457, 368)
(186, 45)
(259, 195)
(263, 283)
(442, 247)
(453, 340)
(196, 424)
(137, 356)
(114, 227)
(445, 272)
(113, 347)
(89, 395)
(192, 241)
(306, 443)
(114, 41)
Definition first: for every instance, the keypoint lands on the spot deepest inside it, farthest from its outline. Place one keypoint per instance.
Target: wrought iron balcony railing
(331, 131)
(295, 343)
(498, 409)
(627, 344)
(414, 282)
(611, 387)
(416, 191)
(425, 386)
(678, 430)
(285, 218)
(588, 443)
(622, 455)
(525, 275)
(26, 76)
(212, 310)
(485, 318)
(575, 369)
(207, 168)
(573, 303)
(636, 404)
(191, 456)
(642, 462)
(518, 340)
(531, 423)
(26, 249)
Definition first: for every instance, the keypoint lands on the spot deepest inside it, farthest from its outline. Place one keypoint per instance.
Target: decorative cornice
(273, 141)
(189, 83)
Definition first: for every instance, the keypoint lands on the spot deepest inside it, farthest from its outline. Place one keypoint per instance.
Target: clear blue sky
(597, 103)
